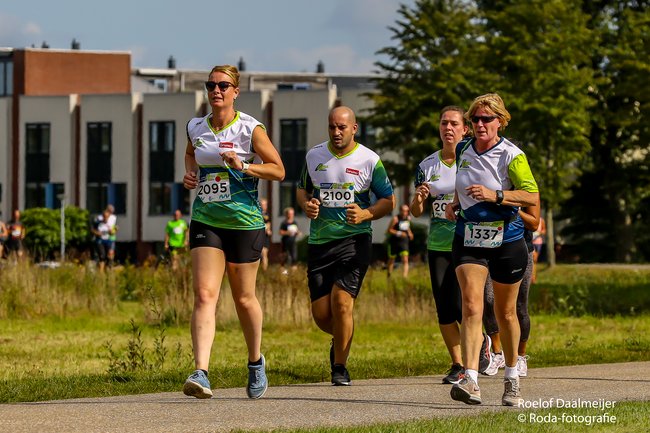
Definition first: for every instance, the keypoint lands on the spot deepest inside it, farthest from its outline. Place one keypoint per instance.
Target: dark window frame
(293, 149)
(99, 150)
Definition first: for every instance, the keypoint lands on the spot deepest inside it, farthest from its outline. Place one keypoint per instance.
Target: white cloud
(14, 33)
(32, 29)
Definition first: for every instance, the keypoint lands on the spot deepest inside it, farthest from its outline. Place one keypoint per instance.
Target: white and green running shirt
(227, 198)
(441, 179)
(504, 166)
(340, 180)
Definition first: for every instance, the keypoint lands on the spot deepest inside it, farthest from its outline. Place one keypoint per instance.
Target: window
(166, 197)
(96, 197)
(6, 76)
(37, 163)
(161, 167)
(293, 147)
(99, 148)
(117, 197)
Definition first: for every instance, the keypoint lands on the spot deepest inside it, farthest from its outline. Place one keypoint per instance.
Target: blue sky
(271, 35)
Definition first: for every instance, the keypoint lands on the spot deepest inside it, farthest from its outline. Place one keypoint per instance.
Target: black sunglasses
(223, 85)
(484, 119)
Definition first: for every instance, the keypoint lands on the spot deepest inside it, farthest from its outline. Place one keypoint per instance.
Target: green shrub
(43, 230)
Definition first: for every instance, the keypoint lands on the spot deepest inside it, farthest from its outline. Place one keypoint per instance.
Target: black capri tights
(490, 320)
(444, 284)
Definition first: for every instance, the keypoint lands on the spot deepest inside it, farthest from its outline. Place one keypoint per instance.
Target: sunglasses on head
(223, 85)
(484, 119)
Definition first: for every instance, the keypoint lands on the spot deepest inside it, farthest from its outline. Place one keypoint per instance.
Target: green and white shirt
(338, 181)
(227, 198)
(504, 166)
(441, 179)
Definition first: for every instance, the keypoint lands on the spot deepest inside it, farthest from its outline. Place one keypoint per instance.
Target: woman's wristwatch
(499, 199)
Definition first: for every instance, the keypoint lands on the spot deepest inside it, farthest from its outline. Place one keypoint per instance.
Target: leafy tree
(540, 56)
(618, 177)
(431, 66)
(535, 54)
(43, 230)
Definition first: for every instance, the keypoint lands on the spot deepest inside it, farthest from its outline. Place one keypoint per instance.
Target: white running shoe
(498, 361)
(522, 365)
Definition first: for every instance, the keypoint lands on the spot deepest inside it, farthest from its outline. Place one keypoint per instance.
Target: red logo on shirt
(227, 144)
(352, 171)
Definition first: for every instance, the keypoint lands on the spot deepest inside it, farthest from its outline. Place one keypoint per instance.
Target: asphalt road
(322, 405)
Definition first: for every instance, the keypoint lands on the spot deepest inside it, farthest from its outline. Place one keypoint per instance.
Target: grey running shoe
(197, 385)
(340, 375)
(466, 391)
(485, 357)
(453, 374)
(522, 365)
(498, 361)
(511, 392)
(257, 382)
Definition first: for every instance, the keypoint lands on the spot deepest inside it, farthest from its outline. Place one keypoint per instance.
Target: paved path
(312, 405)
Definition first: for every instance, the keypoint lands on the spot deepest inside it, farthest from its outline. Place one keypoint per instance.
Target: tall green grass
(28, 291)
(72, 332)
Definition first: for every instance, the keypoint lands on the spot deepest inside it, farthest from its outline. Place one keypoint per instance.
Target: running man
(334, 192)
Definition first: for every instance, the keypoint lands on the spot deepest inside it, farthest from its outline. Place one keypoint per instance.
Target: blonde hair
(229, 70)
(494, 103)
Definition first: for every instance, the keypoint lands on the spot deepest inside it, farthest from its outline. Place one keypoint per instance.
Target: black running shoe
(332, 355)
(453, 374)
(340, 376)
(485, 357)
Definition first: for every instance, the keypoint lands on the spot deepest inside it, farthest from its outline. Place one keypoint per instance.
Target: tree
(618, 176)
(535, 54)
(431, 66)
(43, 231)
(540, 55)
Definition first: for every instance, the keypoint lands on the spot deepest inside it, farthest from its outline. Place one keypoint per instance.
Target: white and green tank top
(441, 179)
(338, 181)
(227, 198)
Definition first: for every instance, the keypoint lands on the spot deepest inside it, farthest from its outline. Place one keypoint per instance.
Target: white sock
(511, 372)
(473, 374)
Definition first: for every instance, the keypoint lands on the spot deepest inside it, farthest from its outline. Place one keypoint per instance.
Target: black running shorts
(343, 262)
(506, 263)
(239, 246)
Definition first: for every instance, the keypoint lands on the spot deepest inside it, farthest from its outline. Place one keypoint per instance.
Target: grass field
(124, 333)
(629, 417)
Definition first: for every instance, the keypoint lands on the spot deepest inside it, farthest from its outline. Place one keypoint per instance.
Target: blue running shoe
(197, 385)
(257, 383)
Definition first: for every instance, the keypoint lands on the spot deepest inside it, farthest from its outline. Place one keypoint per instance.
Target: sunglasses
(223, 85)
(484, 119)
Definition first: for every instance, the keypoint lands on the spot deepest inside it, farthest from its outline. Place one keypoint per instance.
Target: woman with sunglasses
(227, 153)
(493, 181)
